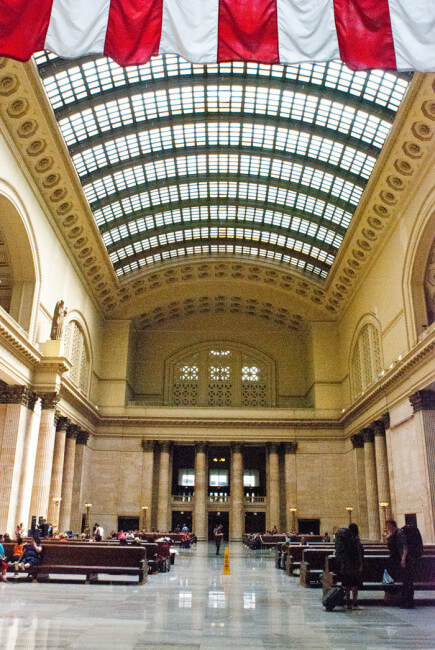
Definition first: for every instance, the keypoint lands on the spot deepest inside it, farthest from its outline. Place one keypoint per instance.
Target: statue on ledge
(58, 320)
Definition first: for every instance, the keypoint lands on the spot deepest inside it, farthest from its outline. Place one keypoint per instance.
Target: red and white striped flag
(393, 34)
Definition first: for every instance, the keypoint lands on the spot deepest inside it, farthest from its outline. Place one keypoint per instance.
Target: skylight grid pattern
(207, 249)
(100, 74)
(236, 99)
(210, 213)
(254, 136)
(143, 202)
(205, 233)
(140, 174)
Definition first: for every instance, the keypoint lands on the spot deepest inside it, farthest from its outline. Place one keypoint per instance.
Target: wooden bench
(89, 560)
(312, 566)
(373, 570)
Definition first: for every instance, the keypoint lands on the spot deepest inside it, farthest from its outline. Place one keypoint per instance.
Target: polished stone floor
(195, 606)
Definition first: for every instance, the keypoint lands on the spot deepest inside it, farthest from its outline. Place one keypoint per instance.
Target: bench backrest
(92, 555)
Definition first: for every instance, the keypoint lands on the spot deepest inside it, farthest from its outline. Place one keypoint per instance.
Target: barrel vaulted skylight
(261, 161)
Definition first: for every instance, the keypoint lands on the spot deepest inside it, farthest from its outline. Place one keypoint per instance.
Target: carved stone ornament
(378, 428)
(201, 446)
(58, 320)
(165, 445)
(291, 447)
(386, 420)
(49, 400)
(367, 434)
(62, 423)
(357, 441)
(15, 394)
(236, 447)
(73, 431)
(147, 445)
(82, 437)
(423, 400)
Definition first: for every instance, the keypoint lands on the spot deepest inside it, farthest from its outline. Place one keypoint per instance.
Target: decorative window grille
(366, 361)
(220, 376)
(76, 351)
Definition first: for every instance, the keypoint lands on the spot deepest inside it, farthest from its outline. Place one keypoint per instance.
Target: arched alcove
(365, 361)
(18, 264)
(78, 350)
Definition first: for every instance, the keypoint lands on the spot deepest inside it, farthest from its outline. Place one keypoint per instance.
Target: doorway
(216, 518)
(128, 523)
(307, 526)
(255, 522)
(181, 518)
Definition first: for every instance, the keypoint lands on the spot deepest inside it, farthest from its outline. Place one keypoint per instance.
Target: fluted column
(163, 496)
(147, 481)
(57, 469)
(382, 469)
(28, 464)
(237, 524)
(423, 405)
(371, 485)
(79, 497)
(68, 478)
(200, 524)
(44, 456)
(273, 496)
(291, 494)
(13, 418)
(360, 483)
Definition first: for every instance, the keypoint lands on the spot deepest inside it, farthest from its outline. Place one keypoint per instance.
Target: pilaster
(164, 484)
(291, 488)
(148, 447)
(273, 496)
(72, 432)
(237, 522)
(371, 484)
(423, 405)
(200, 523)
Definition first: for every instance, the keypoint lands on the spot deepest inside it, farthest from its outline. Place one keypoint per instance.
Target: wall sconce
(349, 512)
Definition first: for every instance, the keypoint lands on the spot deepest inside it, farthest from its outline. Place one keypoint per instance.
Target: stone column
(68, 478)
(200, 523)
(44, 456)
(13, 417)
(78, 498)
(28, 464)
(360, 483)
(273, 496)
(383, 482)
(62, 424)
(163, 496)
(423, 405)
(291, 492)
(147, 480)
(237, 524)
(371, 484)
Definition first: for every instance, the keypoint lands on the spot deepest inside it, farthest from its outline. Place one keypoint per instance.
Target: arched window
(366, 361)
(220, 374)
(77, 352)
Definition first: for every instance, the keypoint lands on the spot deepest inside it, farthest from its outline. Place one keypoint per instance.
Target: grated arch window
(221, 376)
(366, 363)
(76, 351)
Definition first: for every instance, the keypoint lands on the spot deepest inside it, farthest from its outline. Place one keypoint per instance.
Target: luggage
(333, 598)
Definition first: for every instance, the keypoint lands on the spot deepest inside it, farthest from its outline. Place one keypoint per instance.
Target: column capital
(49, 400)
(378, 428)
(147, 445)
(82, 437)
(423, 400)
(236, 447)
(165, 445)
(272, 447)
(201, 446)
(357, 441)
(291, 447)
(62, 423)
(367, 434)
(73, 431)
(15, 394)
(386, 420)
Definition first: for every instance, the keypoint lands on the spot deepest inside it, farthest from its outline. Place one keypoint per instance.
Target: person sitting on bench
(31, 555)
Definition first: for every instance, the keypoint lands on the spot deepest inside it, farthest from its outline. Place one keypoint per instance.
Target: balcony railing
(182, 498)
(254, 499)
(218, 498)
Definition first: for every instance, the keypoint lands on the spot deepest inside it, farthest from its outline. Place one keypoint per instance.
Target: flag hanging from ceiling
(392, 34)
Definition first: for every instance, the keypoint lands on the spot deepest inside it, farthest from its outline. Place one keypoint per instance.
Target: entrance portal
(181, 518)
(216, 518)
(128, 523)
(255, 522)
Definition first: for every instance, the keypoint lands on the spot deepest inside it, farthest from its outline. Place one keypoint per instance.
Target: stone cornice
(13, 336)
(71, 394)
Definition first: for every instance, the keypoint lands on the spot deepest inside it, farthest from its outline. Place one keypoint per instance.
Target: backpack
(414, 541)
(345, 545)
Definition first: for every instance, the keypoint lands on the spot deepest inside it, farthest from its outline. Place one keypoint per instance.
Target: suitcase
(333, 598)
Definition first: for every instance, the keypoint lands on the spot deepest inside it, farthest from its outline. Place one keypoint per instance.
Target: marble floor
(195, 606)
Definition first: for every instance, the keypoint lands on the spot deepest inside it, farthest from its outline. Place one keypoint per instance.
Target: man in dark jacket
(403, 560)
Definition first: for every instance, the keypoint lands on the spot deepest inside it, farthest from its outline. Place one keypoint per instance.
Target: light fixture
(349, 512)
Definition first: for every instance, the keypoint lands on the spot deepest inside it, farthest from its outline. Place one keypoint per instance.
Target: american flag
(389, 34)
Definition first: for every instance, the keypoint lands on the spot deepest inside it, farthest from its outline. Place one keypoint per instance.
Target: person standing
(406, 547)
(218, 536)
(350, 554)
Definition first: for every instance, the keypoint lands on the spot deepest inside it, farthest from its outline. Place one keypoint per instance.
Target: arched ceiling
(179, 160)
